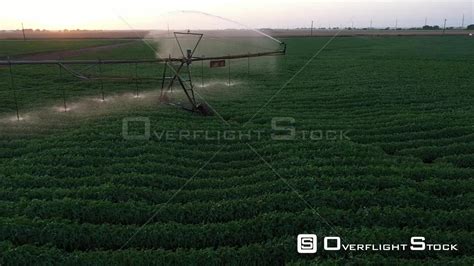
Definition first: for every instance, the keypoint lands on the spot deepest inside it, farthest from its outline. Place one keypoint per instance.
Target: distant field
(371, 32)
(124, 34)
(74, 191)
(14, 48)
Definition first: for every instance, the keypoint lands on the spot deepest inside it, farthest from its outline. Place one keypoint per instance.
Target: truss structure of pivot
(181, 74)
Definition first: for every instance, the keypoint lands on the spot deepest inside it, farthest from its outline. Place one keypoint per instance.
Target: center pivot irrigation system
(179, 68)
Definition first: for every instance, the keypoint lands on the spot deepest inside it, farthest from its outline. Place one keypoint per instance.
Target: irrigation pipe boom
(130, 61)
(176, 64)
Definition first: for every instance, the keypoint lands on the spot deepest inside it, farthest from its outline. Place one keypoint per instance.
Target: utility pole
(23, 30)
(426, 21)
(444, 27)
(396, 24)
(462, 24)
(370, 24)
(312, 23)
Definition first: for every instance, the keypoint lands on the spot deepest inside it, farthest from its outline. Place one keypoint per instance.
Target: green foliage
(73, 191)
(15, 48)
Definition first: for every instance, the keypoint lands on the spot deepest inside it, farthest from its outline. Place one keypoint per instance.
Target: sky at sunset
(141, 14)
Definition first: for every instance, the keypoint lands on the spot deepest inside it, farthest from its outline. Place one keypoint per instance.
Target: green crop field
(13, 48)
(382, 150)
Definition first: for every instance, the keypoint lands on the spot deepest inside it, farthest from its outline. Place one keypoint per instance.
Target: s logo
(307, 243)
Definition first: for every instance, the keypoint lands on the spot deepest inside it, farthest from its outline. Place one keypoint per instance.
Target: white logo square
(307, 243)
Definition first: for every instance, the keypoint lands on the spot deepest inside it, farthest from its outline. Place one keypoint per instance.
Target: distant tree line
(428, 27)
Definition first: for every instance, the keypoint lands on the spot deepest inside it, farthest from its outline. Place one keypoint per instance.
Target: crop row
(109, 144)
(465, 160)
(74, 161)
(430, 153)
(437, 186)
(417, 173)
(275, 252)
(446, 135)
(131, 212)
(214, 168)
(398, 196)
(65, 161)
(73, 236)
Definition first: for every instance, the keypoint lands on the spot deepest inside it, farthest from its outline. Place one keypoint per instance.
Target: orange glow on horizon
(139, 14)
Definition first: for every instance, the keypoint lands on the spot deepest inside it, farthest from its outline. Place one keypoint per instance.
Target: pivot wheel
(204, 110)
